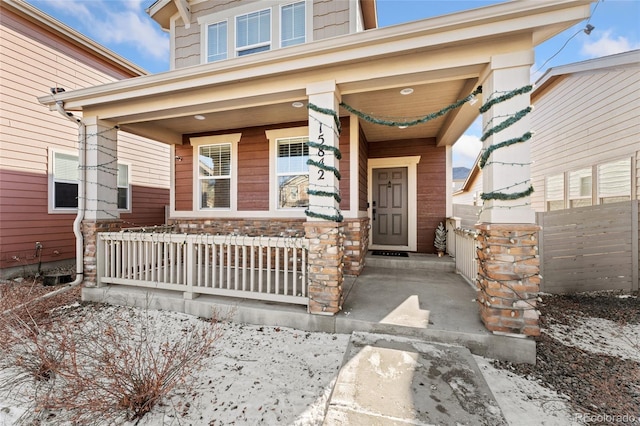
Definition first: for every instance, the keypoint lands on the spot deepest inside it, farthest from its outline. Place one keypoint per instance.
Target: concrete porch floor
(419, 296)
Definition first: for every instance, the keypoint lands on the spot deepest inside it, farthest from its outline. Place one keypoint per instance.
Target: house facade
(39, 148)
(303, 120)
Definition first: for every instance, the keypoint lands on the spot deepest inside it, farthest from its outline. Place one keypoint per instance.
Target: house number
(321, 153)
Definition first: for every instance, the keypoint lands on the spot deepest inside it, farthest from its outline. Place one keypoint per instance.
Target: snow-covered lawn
(282, 376)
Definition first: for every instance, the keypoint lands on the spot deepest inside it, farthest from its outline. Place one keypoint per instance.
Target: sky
(124, 27)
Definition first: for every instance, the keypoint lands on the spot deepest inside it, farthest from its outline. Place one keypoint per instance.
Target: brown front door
(389, 207)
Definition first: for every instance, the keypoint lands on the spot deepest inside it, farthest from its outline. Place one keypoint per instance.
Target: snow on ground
(271, 375)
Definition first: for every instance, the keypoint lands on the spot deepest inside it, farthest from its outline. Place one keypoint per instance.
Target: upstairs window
(253, 32)
(292, 172)
(293, 24)
(214, 176)
(217, 42)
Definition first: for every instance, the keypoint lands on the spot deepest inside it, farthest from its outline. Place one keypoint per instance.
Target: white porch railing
(466, 256)
(264, 268)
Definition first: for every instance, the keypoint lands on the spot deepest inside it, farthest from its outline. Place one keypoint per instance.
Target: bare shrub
(100, 365)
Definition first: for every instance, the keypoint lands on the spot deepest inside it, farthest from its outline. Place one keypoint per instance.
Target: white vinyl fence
(466, 257)
(264, 268)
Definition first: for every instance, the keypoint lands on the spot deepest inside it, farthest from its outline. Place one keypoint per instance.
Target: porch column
(324, 228)
(508, 265)
(100, 151)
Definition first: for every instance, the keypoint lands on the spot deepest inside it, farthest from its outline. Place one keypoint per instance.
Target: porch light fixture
(297, 104)
(199, 117)
(406, 91)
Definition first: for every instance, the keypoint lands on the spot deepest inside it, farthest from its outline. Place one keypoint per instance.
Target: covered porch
(420, 296)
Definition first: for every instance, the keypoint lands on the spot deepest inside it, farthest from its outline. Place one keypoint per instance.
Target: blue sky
(124, 27)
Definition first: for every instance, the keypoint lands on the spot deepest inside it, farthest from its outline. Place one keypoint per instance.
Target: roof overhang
(441, 58)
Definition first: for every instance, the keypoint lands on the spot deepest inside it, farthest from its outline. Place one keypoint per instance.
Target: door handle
(374, 214)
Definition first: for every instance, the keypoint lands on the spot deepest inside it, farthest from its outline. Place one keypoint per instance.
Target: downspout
(77, 223)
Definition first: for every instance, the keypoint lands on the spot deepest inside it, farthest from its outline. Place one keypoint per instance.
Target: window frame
(629, 161)
(547, 200)
(230, 14)
(206, 43)
(53, 209)
(196, 143)
(278, 174)
(128, 208)
(281, 10)
(258, 45)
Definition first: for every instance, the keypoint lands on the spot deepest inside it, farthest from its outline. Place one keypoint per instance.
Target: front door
(389, 207)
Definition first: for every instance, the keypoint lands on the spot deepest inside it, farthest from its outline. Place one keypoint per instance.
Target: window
(614, 181)
(253, 32)
(65, 181)
(66, 178)
(217, 42)
(580, 193)
(214, 176)
(123, 186)
(292, 24)
(555, 192)
(292, 172)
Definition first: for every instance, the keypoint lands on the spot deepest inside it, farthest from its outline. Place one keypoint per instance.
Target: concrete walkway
(399, 381)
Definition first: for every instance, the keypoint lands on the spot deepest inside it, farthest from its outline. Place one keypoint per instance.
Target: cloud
(607, 45)
(121, 22)
(465, 150)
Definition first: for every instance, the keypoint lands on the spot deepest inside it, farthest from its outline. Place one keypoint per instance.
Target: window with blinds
(555, 192)
(614, 181)
(65, 181)
(214, 176)
(293, 24)
(217, 42)
(292, 172)
(253, 32)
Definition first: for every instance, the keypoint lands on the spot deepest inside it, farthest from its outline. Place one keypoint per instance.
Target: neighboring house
(585, 172)
(39, 148)
(271, 102)
(459, 176)
(586, 149)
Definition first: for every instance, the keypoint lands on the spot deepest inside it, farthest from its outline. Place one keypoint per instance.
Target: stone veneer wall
(509, 278)
(356, 243)
(326, 266)
(89, 231)
(356, 233)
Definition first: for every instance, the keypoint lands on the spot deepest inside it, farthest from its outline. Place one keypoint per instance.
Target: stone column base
(356, 245)
(326, 256)
(508, 279)
(90, 228)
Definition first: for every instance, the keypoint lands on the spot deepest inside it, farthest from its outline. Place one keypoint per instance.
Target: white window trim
(411, 163)
(51, 184)
(274, 32)
(277, 189)
(306, 23)
(129, 200)
(196, 143)
(204, 40)
(225, 15)
(273, 136)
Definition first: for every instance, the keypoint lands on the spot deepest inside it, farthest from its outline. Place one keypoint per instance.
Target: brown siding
(184, 178)
(345, 164)
(363, 174)
(25, 219)
(253, 170)
(431, 183)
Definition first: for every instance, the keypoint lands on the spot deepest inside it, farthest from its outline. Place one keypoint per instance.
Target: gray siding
(330, 18)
